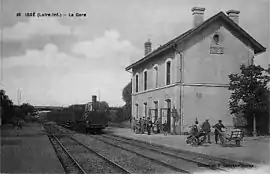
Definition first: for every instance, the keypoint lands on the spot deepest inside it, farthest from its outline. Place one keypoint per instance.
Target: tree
(26, 109)
(126, 96)
(126, 93)
(249, 98)
(104, 106)
(7, 107)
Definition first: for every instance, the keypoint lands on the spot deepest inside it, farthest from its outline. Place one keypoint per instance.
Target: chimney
(147, 47)
(198, 13)
(233, 15)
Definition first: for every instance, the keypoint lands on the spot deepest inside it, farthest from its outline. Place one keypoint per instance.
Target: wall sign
(216, 50)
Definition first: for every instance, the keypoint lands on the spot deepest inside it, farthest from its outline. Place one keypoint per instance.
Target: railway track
(135, 162)
(194, 159)
(175, 162)
(79, 158)
(68, 162)
(201, 159)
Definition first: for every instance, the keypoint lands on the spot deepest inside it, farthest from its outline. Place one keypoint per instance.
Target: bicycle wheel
(194, 141)
(189, 140)
(222, 139)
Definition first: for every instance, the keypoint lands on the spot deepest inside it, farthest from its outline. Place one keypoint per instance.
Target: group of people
(205, 130)
(143, 125)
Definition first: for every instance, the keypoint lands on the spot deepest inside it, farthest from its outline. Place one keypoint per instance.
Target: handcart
(235, 135)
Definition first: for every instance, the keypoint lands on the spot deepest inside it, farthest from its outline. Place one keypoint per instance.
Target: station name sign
(216, 50)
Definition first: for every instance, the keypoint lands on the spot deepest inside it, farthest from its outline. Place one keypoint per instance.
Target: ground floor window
(145, 110)
(156, 110)
(137, 110)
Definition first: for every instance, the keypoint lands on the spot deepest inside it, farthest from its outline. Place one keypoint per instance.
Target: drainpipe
(181, 85)
(181, 91)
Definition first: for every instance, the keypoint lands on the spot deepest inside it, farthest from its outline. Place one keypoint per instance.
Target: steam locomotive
(95, 118)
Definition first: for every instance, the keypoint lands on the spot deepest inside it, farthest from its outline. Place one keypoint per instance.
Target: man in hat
(207, 129)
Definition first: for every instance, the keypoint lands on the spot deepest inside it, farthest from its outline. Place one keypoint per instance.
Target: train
(88, 118)
(95, 117)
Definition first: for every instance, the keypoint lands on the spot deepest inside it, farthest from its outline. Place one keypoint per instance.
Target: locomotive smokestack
(94, 102)
(94, 98)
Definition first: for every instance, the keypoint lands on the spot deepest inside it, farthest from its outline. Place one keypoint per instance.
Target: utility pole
(19, 95)
(181, 82)
(99, 95)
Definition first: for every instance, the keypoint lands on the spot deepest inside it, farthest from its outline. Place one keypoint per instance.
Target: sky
(59, 61)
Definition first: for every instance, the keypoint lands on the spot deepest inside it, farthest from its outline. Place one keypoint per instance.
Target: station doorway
(165, 116)
(153, 114)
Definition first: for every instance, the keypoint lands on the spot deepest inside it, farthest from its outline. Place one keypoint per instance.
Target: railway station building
(187, 78)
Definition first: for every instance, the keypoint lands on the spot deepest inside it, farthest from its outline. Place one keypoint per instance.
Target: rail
(103, 157)
(69, 155)
(90, 150)
(212, 166)
(144, 156)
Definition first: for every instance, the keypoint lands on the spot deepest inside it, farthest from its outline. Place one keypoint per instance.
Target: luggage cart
(236, 135)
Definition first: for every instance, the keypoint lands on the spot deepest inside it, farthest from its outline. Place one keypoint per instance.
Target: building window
(155, 76)
(168, 72)
(156, 110)
(145, 110)
(137, 83)
(137, 110)
(216, 39)
(145, 79)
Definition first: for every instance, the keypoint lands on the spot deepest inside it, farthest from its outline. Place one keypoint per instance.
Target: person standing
(165, 128)
(149, 126)
(137, 128)
(144, 125)
(218, 128)
(207, 129)
(133, 124)
(130, 123)
(158, 126)
(141, 125)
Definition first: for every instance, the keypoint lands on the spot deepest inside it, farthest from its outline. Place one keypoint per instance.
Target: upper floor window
(145, 79)
(137, 83)
(168, 72)
(155, 76)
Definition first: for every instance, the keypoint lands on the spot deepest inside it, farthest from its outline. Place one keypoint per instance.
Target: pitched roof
(258, 48)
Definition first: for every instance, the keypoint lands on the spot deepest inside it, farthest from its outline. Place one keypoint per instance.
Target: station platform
(251, 151)
(27, 151)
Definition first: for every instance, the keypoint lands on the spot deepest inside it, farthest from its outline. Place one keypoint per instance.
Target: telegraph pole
(99, 95)
(19, 95)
